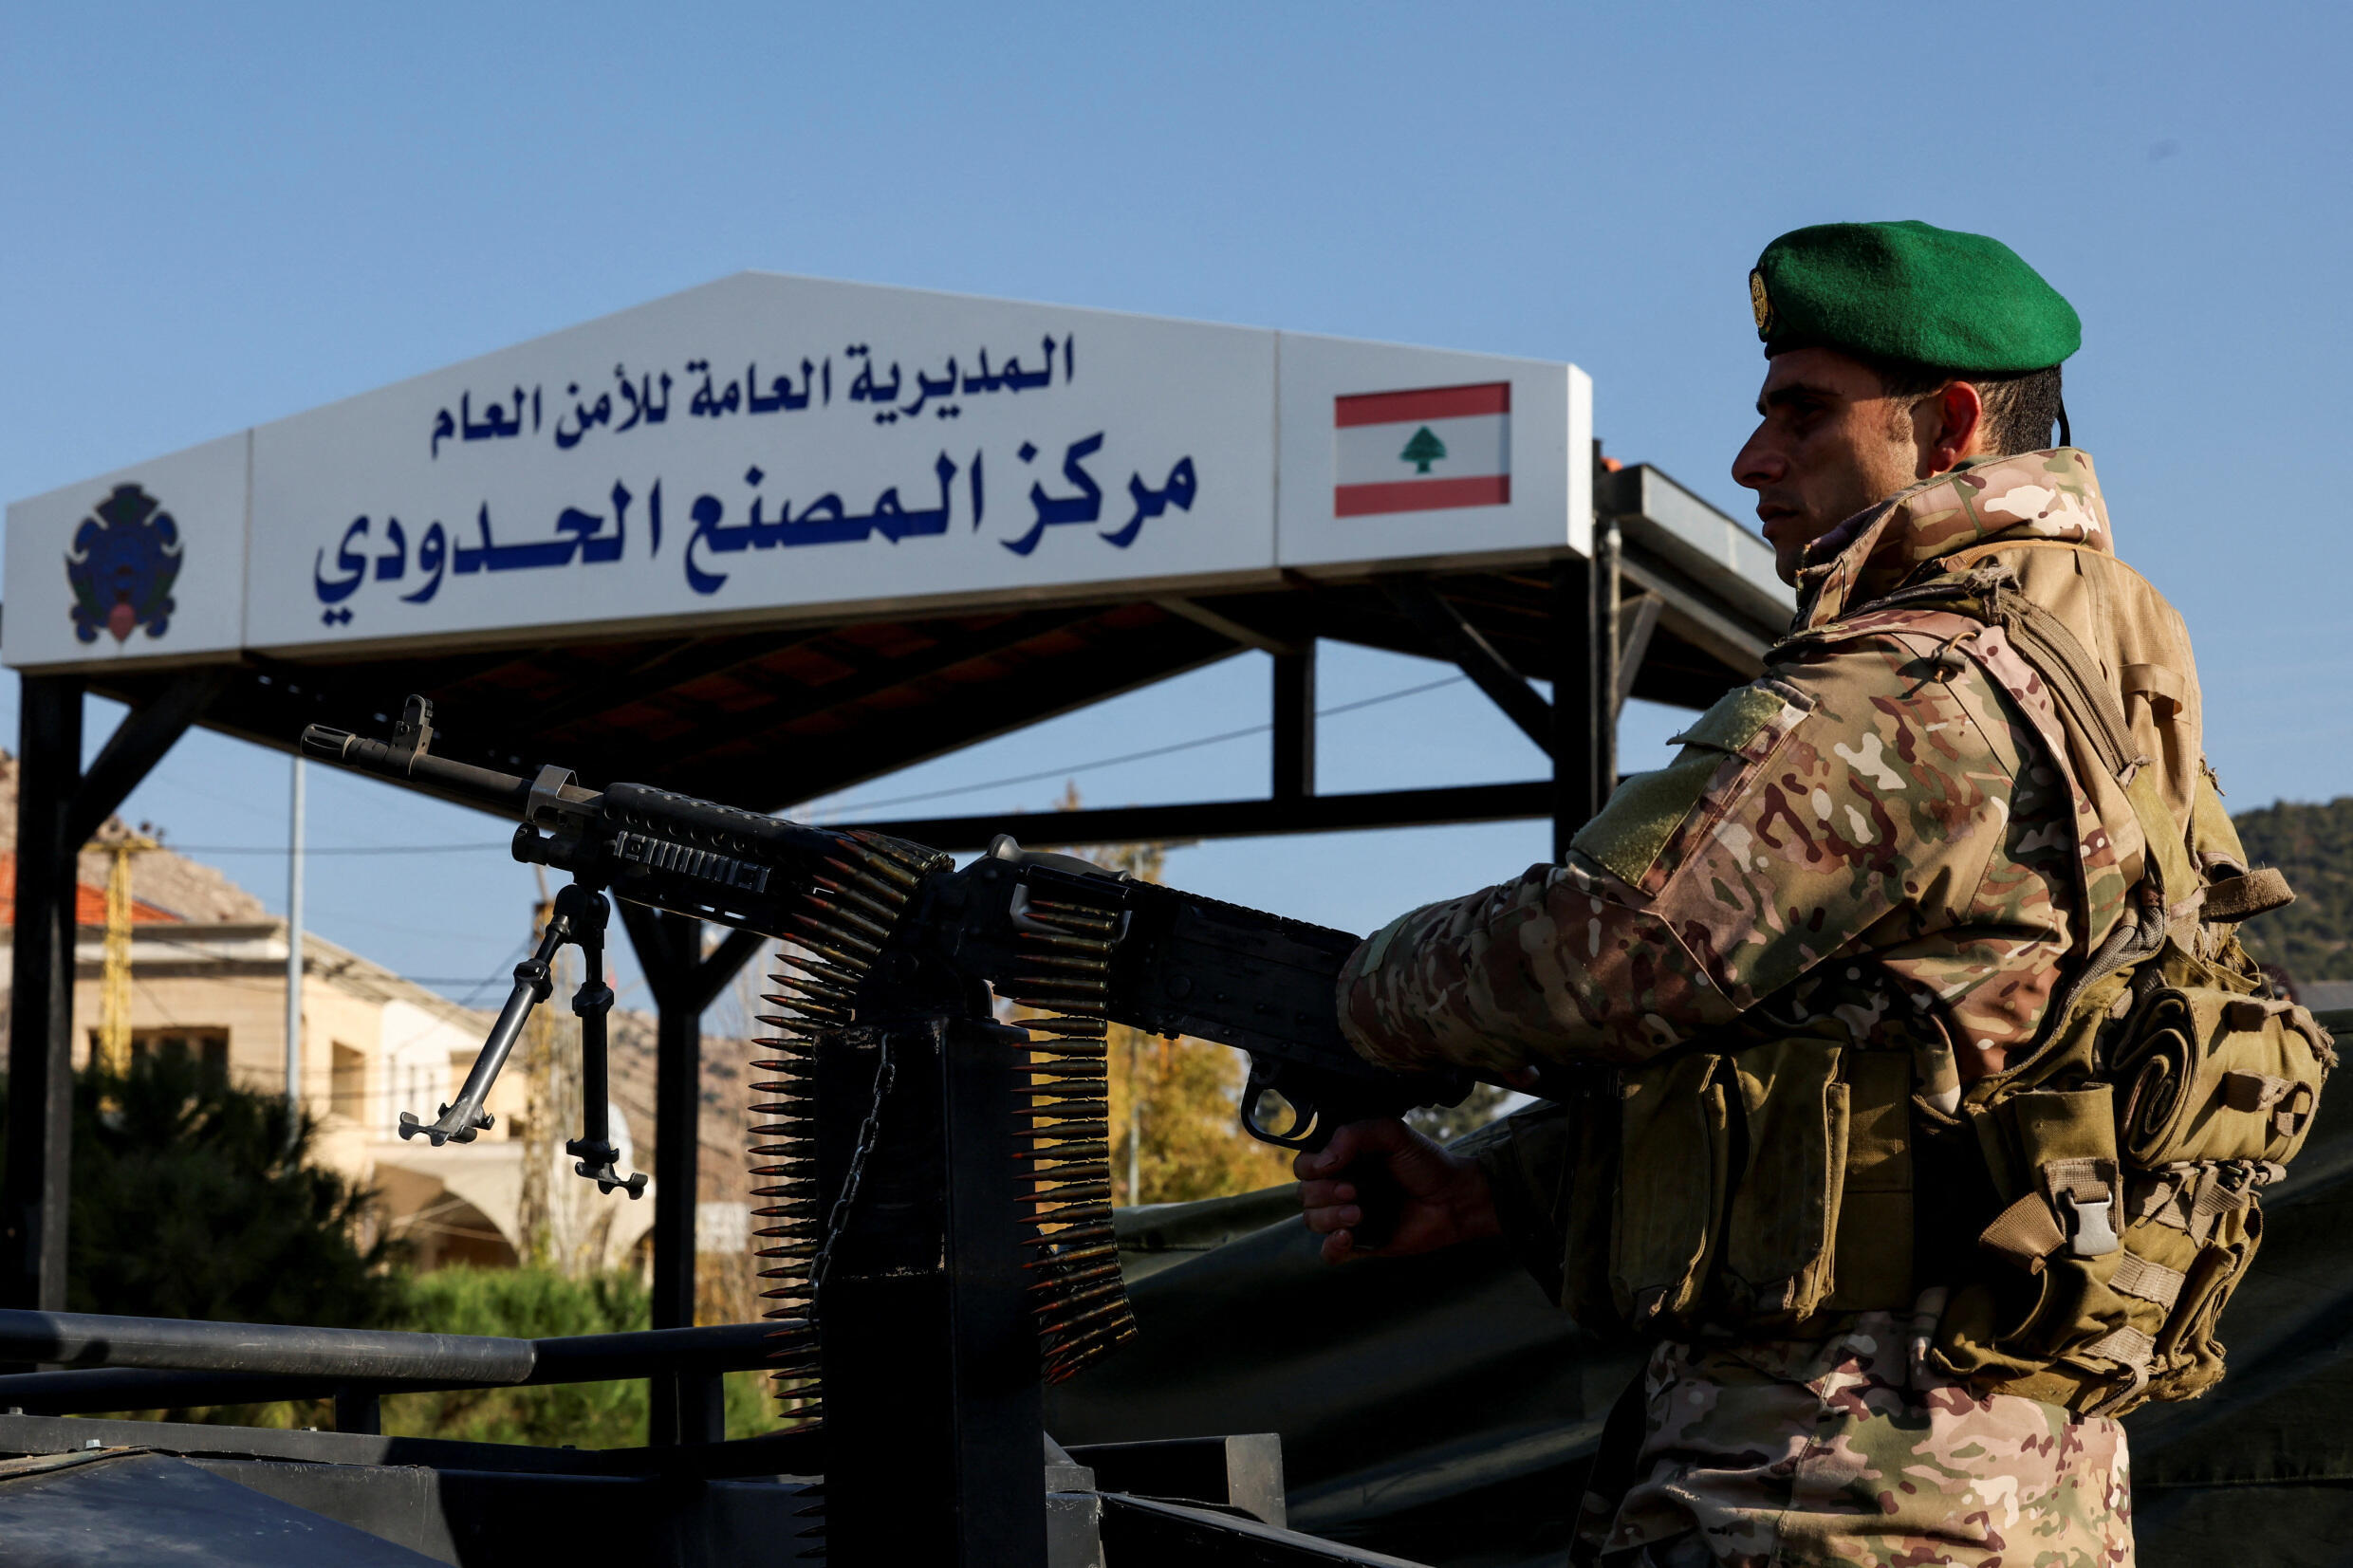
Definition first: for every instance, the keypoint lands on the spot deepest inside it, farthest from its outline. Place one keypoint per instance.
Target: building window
(415, 1087)
(348, 1085)
(208, 1047)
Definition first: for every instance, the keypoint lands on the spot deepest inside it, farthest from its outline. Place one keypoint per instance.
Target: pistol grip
(1380, 1199)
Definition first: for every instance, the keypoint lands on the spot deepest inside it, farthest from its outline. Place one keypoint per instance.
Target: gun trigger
(1295, 1134)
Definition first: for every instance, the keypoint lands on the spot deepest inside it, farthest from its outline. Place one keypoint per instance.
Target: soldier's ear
(1950, 426)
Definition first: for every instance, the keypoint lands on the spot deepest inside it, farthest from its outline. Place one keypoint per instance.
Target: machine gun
(1039, 928)
(889, 929)
(932, 1186)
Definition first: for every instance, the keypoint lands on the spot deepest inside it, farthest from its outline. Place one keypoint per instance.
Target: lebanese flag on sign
(1412, 451)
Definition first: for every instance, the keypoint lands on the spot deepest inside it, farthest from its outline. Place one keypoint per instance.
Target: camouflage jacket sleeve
(1858, 799)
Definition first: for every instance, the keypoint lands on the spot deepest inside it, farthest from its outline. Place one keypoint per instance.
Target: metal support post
(59, 805)
(1451, 635)
(32, 1217)
(1573, 709)
(1608, 652)
(358, 1409)
(687, 1408)
(1294, 724)
(933, 1411)
(294, 956)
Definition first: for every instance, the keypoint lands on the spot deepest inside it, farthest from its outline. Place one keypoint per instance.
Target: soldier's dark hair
(2019, 410)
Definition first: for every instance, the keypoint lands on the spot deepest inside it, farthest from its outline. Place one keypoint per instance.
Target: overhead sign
(770, 449)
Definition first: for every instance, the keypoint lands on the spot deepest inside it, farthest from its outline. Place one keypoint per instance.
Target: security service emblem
(124, 559)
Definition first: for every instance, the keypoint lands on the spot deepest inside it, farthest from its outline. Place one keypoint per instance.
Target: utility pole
(113, 985)
(1134, 1117)
(295, 960)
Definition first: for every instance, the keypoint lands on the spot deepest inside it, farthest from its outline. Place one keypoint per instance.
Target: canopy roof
(613, 550)
(771, 716)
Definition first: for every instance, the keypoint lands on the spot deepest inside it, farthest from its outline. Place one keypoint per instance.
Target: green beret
(1909, 291)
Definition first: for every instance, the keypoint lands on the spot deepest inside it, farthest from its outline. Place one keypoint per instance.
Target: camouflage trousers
(1833, 1452)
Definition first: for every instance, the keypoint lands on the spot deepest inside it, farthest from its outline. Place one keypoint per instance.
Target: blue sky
(217, 216)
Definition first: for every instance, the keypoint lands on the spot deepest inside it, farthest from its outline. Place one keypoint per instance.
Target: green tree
(1184, 1140)
(541, 1303)
(2312, 844)
(1424, 449)
(525, 1303)
(194, 1198)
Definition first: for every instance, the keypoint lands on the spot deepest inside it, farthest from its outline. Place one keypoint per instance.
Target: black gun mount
(578, 919)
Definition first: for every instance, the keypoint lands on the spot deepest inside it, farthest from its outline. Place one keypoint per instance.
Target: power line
(315, 849)
(513, 956)
(1141, 756)
(1063, 772)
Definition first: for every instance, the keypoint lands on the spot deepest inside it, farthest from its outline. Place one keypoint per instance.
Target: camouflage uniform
(1880, 835)
(1840, 1451)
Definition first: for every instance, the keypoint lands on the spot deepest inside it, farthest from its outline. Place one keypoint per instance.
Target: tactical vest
(2067, 1228)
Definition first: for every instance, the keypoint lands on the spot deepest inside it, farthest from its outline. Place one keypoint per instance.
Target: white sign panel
(770, 448)
(145, 563)
(1437, 457)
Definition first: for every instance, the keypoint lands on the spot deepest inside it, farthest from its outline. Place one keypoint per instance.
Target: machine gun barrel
(501, 792)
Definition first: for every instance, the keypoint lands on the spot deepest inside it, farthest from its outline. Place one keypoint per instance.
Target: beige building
(374, 1046)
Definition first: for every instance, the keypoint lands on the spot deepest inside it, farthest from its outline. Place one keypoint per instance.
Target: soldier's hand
(1446, 1197)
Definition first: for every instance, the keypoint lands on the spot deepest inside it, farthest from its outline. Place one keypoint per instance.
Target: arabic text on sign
(644, 397)
(583, 538)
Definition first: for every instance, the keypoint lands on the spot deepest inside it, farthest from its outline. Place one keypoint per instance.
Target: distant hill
(2312, 938)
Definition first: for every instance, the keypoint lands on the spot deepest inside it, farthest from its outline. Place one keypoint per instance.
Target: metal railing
(106, 1363)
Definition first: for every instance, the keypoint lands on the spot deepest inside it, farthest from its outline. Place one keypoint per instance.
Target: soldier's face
(1830, 442)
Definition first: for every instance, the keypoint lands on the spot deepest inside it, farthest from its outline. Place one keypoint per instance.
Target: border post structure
(686, 1408)
(59, 805)
(1610, 655)
(41, 1004)
(294, 955)
(1294, 724)
(1574, 714)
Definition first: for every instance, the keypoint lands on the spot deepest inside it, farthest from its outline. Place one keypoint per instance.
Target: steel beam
(138, 743)
(1226, 626)
(1638, 621)
(1454, 638)
(58, 807)
(1492, 802)
(1294, 724)
(1609, 664)
(1574, 728)
(686, 1408)
(34, 1187)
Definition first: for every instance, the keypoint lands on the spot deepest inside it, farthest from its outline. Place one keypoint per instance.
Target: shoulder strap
(2091, 708)
(2088, 705)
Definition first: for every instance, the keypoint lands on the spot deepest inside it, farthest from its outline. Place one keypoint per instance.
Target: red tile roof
(89, 902)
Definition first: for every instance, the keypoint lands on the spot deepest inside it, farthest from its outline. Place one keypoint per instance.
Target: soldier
(1770, 974)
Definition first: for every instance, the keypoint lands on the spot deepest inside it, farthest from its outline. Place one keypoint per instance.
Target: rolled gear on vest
(2171, 1087)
